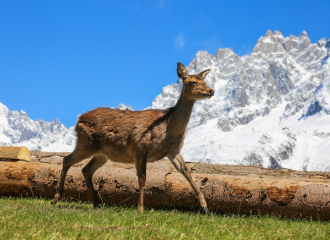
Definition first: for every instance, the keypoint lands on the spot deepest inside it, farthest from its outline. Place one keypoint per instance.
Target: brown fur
(121, 135)
(137, 136)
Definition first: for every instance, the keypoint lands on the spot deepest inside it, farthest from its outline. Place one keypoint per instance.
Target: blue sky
(59, 58)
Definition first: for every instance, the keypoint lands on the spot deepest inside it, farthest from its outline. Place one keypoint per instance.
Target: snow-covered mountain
(271, 108)
(17, 129)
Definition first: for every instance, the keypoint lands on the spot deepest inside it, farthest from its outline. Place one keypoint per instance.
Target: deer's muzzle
(210, 93)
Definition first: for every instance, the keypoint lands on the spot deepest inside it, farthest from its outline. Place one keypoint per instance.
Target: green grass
(38, 219)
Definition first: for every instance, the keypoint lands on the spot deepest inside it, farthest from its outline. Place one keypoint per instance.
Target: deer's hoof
(56, 198)
(96, 206)
(141, 209)
(206, 211)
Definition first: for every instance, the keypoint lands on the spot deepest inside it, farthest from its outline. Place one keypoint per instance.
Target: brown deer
(137, 137)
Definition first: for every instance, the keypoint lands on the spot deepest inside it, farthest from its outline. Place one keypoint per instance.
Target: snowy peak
(303, 34)
(293, 43)
(270, 43)
(224, 54)
(276, 32)
(275, 42)
(17, 129)
(3, 109)
(121, 106)
(202, 60)
(269, 33)
(322, 42)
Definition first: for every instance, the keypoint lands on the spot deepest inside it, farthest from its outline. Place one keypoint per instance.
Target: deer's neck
(180, 116)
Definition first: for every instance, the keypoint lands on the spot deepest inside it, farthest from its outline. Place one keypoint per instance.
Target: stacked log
(18, 153)
(253, 190)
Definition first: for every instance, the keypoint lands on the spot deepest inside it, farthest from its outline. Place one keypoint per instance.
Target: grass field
(38, 219)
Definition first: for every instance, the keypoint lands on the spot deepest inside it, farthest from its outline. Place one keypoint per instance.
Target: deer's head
(194, 87)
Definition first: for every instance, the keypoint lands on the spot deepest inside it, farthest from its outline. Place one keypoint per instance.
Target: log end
(19, 153)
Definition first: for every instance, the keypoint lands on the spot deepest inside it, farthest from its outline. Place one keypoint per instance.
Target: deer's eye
(194, 83)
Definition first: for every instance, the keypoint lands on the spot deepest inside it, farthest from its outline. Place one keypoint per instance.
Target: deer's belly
(119, 154)
(155, 156)
(172, 149)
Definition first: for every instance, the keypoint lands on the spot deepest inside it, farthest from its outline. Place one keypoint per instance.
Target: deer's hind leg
(88, 171)
(180, 165)
(75, 157)
(141, 170)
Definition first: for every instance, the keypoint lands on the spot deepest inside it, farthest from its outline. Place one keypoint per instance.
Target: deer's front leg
(180, 165)
(141, 169)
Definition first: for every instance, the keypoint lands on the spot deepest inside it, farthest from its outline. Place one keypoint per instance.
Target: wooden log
(17, 153)
(288, 197)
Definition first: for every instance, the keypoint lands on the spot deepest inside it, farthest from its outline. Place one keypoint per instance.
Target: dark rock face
(314, 108)
(274, 164)
(328, 44)
(253, 158)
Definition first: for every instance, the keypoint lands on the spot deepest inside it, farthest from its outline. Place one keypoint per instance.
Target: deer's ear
(204, 73)
(182, 71)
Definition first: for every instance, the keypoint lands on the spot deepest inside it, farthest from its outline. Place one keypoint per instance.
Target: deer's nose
(211, 92)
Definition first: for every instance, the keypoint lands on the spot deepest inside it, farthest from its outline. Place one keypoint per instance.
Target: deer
(137, 137)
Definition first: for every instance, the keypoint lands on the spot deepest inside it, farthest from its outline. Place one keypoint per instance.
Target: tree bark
(291, 197)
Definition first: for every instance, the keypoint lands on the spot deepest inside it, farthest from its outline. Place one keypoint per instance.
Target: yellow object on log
(19, 153)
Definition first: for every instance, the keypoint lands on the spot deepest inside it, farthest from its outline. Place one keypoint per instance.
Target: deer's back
(122, 129)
